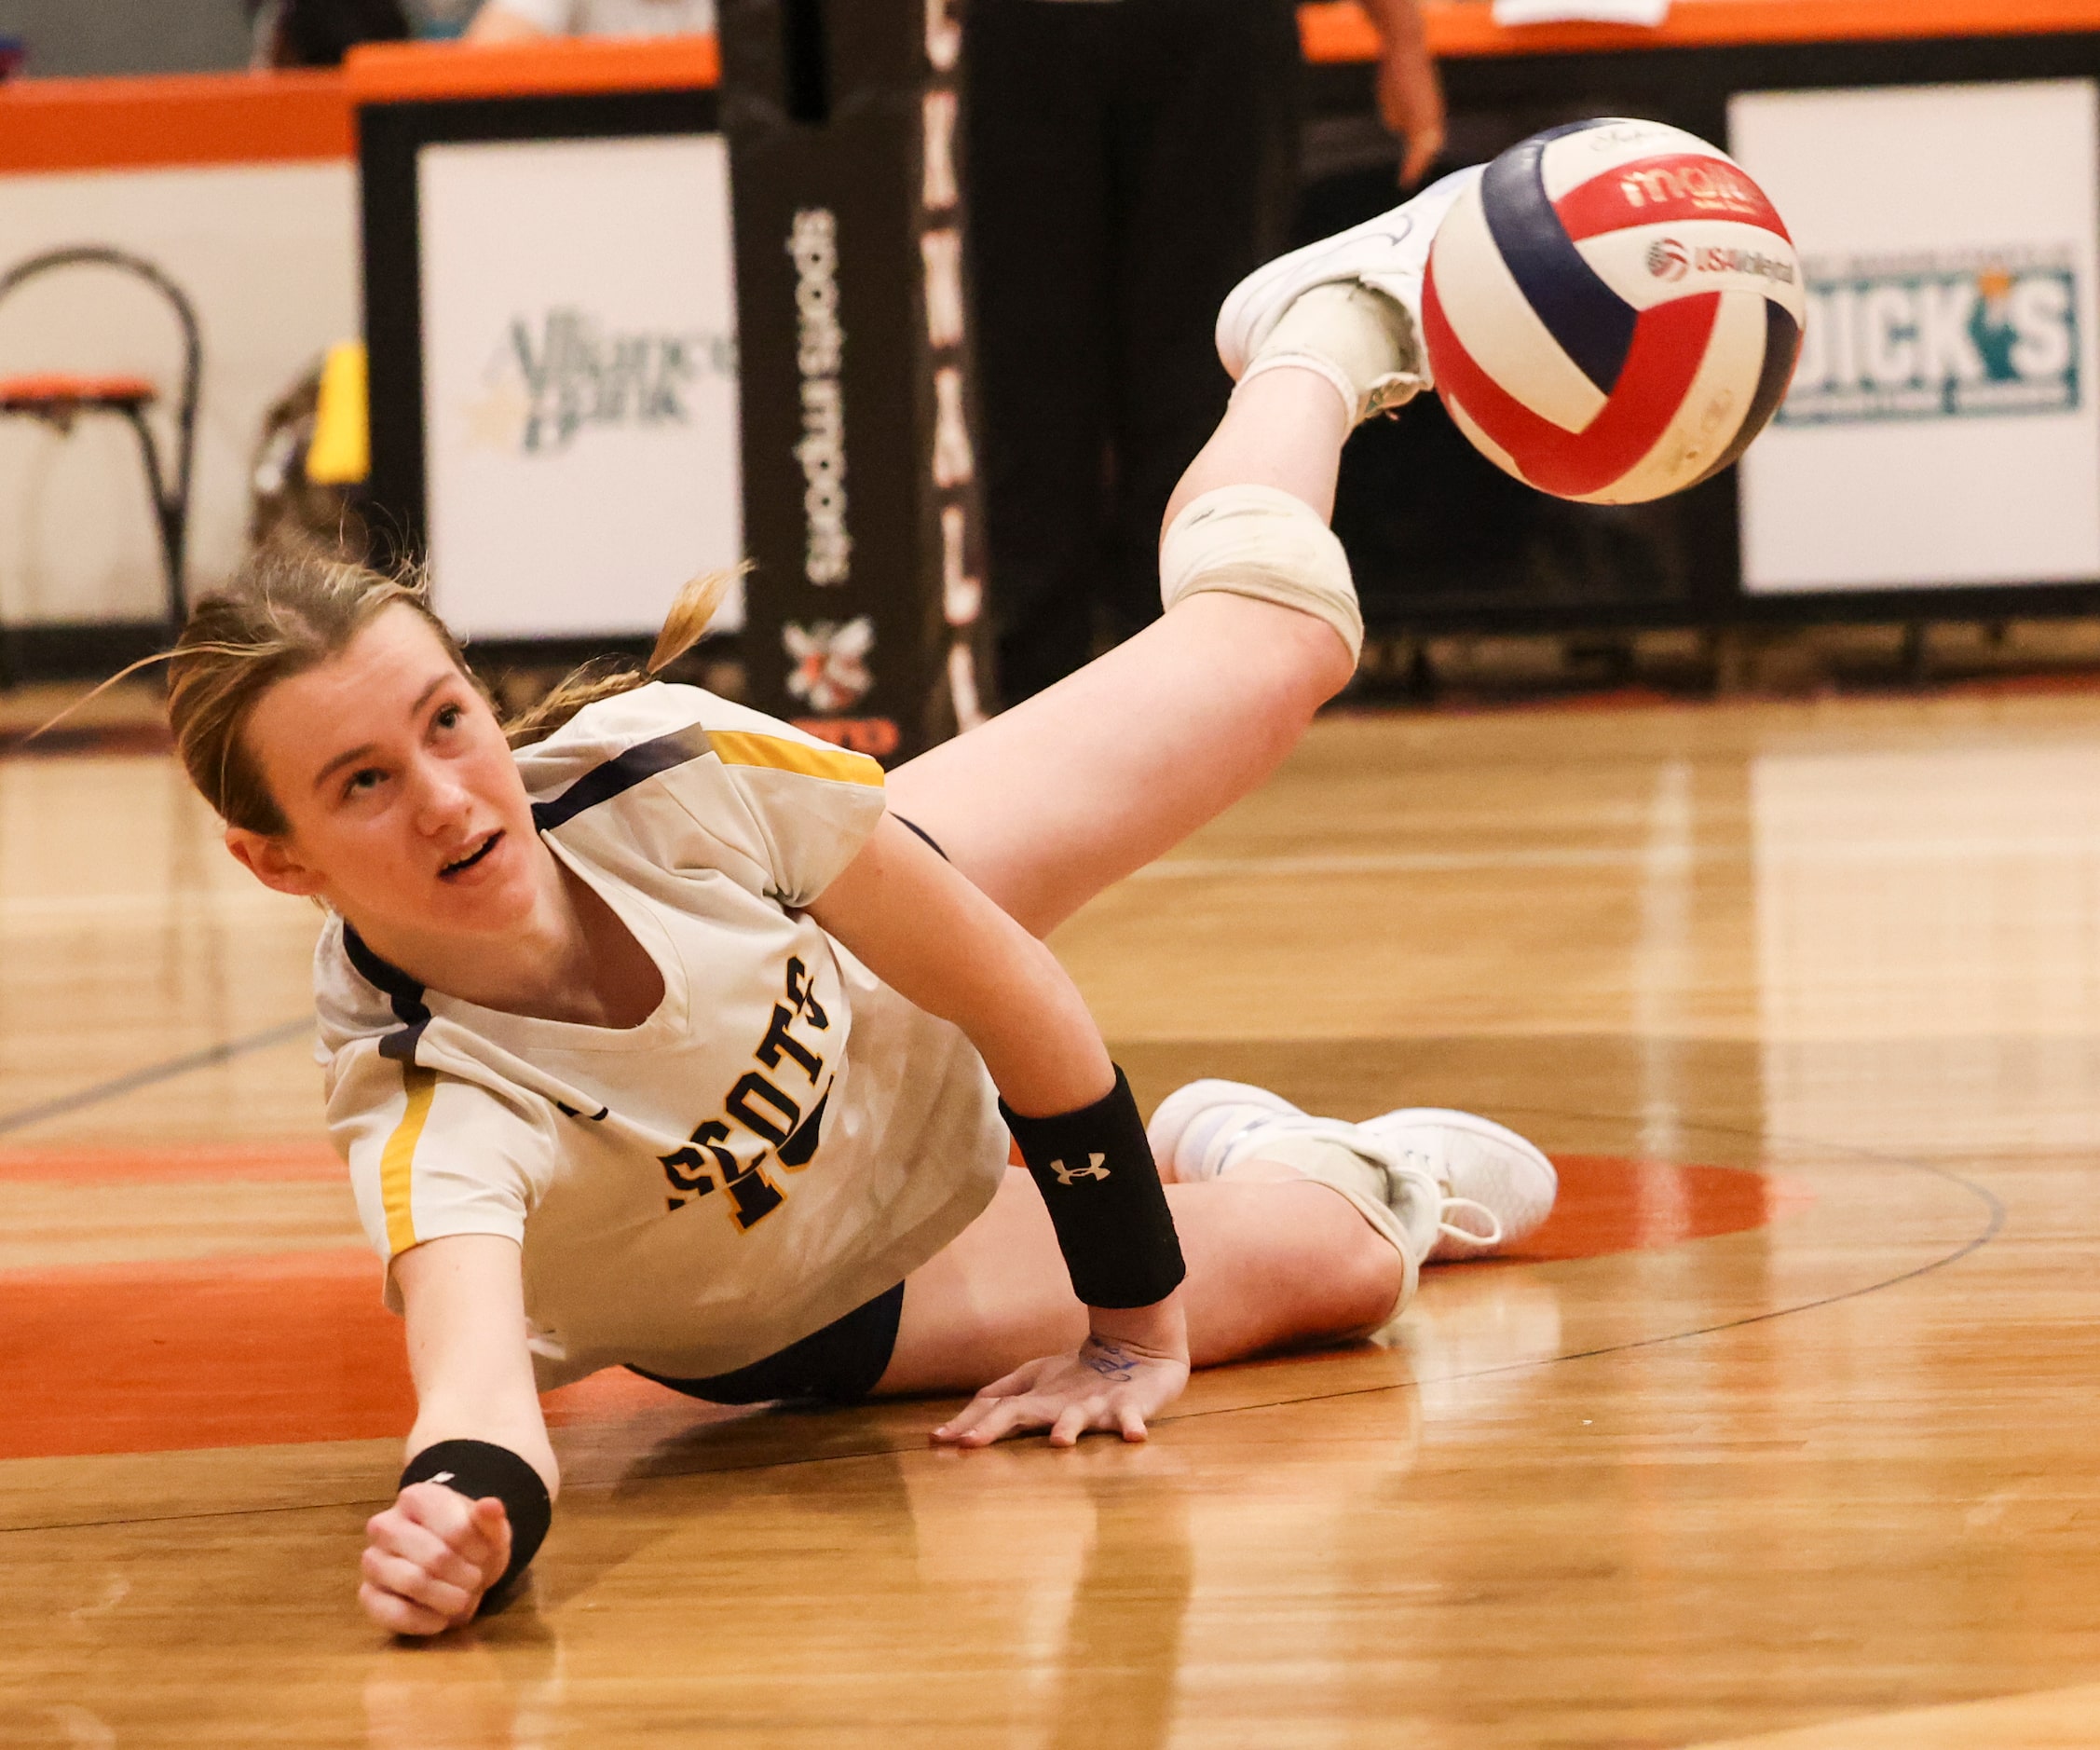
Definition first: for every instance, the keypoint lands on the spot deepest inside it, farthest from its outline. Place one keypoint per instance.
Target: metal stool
(59, 400)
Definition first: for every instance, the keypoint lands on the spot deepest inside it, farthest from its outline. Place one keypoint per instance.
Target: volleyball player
(659, 1034)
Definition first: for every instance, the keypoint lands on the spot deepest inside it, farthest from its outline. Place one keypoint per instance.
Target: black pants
(1129, 160)
(840, 1364)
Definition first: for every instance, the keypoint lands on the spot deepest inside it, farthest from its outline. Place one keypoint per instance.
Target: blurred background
(261, 209)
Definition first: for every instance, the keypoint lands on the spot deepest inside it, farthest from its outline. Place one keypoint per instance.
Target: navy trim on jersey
(1593, 326)
(913, 826)
(398, 988)
(622, 772)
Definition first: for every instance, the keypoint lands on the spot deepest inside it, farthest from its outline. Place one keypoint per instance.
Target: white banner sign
(1645, 12)
(579, 391)
(1942, 428)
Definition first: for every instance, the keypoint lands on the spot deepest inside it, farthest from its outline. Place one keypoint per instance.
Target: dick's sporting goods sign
(1987, 332)
(1941, 429)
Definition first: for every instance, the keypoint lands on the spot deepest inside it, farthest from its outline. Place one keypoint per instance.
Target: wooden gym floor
(1786, 1433)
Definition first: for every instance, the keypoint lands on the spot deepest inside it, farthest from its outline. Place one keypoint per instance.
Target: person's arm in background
(512, 21)
(1410, 97)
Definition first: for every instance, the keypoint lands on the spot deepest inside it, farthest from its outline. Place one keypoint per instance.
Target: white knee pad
(1261, 542)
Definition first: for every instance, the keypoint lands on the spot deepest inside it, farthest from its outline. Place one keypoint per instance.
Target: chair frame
(167, 478)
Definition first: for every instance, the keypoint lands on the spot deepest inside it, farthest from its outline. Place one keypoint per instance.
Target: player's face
(404, 808)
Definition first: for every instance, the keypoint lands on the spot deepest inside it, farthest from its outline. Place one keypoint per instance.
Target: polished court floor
(1785, 1431)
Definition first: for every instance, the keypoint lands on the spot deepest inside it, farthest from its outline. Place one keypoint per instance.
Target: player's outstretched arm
(931, 935)
(481, 1474)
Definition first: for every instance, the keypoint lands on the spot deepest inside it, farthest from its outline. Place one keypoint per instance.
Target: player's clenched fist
(429, 1558)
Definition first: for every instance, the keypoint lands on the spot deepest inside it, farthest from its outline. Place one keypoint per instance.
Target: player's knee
(1321, 664)
(1303, 667)
(1362, 1283)
(1269, 546)
(1339, 1275)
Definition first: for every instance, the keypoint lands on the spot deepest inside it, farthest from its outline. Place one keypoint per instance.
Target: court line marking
(43, 908)
(1899, 851)
(225, 1052)
(1993, 1205)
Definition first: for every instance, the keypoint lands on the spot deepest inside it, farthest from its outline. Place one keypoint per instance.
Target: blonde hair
(293, 606)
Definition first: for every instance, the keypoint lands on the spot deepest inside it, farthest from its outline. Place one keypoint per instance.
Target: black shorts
(840, 1364)
(837, 1365)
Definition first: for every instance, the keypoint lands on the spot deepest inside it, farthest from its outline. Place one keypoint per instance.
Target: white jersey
(784, 1139)
(615, 18)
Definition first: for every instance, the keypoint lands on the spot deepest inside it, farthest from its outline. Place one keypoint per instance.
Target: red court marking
(248, 1351)
(211, 1163)
(1608, 1205)
(210, 1352)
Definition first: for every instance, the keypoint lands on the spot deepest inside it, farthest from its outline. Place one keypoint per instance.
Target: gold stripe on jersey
(741, 747)
(396, 1163)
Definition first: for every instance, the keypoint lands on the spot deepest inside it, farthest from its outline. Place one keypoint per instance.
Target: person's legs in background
(1038, 73)
(1203, 160)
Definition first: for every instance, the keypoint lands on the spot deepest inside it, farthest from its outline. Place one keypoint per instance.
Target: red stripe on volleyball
(1669, 345)
(1666, 190)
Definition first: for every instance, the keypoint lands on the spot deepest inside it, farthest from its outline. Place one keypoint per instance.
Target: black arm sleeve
(1096, 1175)
(478, 1469)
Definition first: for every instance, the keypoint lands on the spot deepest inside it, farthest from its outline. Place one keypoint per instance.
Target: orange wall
(216, 118)
(1337, 30)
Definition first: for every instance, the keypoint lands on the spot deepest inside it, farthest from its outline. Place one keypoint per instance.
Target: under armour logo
(1095, 1168)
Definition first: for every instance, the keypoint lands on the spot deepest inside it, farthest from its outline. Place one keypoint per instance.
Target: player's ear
(272, 861)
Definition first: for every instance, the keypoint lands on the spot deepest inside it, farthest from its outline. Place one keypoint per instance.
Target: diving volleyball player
(659, 1033)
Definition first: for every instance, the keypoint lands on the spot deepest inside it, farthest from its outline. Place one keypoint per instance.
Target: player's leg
(1205, 146)
(1073, 789)
(1274, 1261)
(1297, 1230)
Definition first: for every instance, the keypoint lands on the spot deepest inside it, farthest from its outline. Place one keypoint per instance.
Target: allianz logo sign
(1939, 337)
(565, 371)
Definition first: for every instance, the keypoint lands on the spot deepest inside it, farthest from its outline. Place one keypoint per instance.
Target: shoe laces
(1420, 1167)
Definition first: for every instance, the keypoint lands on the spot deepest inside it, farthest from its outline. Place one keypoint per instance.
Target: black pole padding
(1098, 1180)
(478, 1469)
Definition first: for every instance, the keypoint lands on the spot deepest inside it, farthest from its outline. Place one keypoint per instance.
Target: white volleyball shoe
(1462, 1186)
(1500, 1186)
(1389, 254)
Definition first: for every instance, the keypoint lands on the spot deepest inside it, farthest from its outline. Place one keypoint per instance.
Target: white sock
(1361, 341)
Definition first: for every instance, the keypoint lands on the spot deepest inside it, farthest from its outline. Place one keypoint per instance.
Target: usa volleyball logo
(1613, 311)
(1668, 259)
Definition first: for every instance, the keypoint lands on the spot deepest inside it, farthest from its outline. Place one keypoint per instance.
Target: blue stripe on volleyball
(1592, 324)
(1783, 341)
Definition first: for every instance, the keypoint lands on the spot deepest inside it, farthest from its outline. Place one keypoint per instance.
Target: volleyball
(1613, 311)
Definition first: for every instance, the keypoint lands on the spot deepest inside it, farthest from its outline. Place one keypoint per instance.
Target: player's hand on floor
(429, 1558)
(1111, 1385)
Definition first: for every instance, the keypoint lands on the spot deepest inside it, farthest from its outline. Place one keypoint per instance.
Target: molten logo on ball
(1711, 188)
